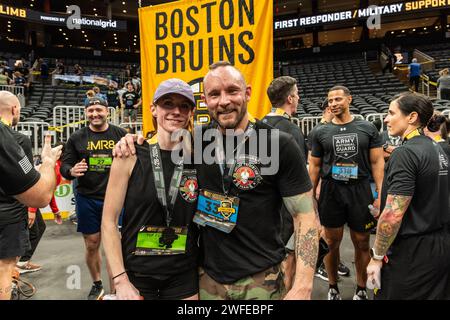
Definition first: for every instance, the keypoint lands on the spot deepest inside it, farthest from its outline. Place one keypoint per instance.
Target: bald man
(19, 181)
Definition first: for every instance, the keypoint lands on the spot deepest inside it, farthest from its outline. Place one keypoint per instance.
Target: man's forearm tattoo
(306, 247)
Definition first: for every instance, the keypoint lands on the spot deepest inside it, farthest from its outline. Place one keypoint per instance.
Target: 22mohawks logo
(246, 176)
(189, 186)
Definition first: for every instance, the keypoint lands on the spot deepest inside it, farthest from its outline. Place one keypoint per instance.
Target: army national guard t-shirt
(346, 145)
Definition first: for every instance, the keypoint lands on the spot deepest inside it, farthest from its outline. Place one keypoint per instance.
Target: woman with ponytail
(411, 253)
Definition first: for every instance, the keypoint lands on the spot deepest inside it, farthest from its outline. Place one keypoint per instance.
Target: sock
(98, 283)
(334, 286)
(22, 263)
(358, 289)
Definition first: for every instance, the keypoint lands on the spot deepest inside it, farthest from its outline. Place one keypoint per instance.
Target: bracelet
(118, 275)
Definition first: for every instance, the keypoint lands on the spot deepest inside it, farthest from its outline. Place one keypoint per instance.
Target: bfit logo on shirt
(345, 145)
(101, 145)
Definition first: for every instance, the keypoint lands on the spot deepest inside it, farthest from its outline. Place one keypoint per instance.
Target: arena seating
(371, 92)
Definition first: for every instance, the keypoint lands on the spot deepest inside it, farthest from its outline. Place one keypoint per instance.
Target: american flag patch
(26, 165)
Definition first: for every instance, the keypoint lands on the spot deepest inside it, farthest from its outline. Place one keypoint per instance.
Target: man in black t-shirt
(244, 263)
(130, 102)
(283, 95)
(112, 96)
(242, 189)
(344, 154)
(19, 182)
(88, 158)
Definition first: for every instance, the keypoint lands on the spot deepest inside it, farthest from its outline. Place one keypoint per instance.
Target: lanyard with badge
(163, 240)
(220, 210)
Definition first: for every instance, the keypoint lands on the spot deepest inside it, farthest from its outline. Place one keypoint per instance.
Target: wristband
(118, 275)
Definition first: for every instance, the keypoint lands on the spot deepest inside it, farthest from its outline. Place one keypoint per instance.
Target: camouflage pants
(266, 285)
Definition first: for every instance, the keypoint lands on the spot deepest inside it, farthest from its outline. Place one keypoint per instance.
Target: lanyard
(226, 169)
(166, 200)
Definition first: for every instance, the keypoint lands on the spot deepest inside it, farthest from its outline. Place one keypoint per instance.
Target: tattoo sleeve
(306, 227)
(390, 221)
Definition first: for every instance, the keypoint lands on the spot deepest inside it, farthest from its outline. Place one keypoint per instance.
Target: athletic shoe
(321, 272)
(96, 293)
(333, 294)
(343, 270)
(360, 295)
(27, 267)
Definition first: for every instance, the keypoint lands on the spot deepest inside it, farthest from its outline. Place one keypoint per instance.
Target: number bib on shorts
(156, 241)
(100, 162)
(217, 211)
(344, 171)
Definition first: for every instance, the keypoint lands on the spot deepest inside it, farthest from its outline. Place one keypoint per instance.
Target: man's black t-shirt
(285, 125)
(17, 173)
(130, 99)
(113, 98)
(254, 245)
(419, 168)
(142, 208)
(11, 210)
(311, 135)
(349, 143)
(96, 149)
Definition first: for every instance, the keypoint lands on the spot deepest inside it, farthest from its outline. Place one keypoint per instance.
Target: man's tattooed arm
(306, 235)
(390, 221)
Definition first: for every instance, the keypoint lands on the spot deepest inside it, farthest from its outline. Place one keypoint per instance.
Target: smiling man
(88, 157)
(345, 153)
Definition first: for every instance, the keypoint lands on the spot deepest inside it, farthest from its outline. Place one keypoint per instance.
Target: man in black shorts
(88, 158)
(19, 182)
(130, 102)
(344, 154)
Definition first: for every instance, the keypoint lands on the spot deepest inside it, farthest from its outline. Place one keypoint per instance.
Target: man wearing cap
(88, 158)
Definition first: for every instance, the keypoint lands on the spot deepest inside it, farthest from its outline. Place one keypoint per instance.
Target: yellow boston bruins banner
(182, 38)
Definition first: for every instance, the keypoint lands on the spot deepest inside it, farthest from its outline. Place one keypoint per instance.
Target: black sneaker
(96, 293)
(343, 270)
(360, 295)
(321, 272)
(333, 294)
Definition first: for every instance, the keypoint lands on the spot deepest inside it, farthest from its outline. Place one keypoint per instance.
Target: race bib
(100, 162)
(344, 171)
(156, 241)
(217, 211)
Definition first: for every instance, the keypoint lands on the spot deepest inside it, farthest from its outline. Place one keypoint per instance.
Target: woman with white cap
(155, 256)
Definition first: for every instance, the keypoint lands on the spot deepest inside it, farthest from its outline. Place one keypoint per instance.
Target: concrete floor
(64, 275)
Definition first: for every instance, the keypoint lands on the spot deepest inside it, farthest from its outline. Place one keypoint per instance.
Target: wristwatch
(374, 256)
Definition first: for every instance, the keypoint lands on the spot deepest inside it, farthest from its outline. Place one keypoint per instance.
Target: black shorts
(14, 239)
(418, 268)
(342, 203)
(173, 287)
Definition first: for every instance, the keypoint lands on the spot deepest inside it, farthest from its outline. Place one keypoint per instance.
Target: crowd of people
(242, 222)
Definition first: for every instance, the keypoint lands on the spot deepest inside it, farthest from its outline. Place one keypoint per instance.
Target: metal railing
(138, 127)
(35, 131)
(13, 89)
(446, 113)
(306, 124)
(69, 119)
(374, 116)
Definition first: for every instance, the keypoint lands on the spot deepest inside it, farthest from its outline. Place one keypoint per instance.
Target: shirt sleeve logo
(26, 165)
(189, 187)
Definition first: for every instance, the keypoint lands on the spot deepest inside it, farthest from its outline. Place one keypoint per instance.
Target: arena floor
(61, 254)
